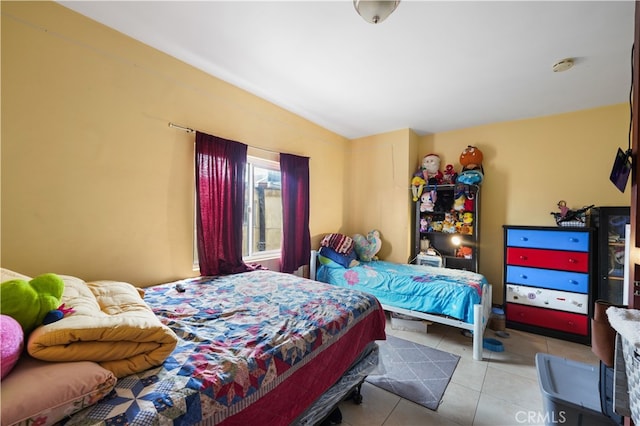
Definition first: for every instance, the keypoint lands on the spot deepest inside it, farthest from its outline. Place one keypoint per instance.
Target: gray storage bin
(570, 392)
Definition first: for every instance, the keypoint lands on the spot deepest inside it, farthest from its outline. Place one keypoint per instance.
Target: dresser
(549, 280)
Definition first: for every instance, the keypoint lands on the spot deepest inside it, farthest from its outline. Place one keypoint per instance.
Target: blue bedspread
(427, 289)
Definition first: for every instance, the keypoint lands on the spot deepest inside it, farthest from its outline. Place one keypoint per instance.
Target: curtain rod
(184, 129)
(190, 130)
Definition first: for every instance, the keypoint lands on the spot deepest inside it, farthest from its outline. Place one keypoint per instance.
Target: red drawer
(550, 259)
(548, 318)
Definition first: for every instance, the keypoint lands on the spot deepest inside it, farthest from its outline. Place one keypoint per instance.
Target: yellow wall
(379, 170)
(94, 182)
(532, 164)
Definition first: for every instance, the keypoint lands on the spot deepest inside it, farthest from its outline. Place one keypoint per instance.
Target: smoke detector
(563, 65)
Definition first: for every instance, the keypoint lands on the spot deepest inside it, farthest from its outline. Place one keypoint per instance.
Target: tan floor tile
(459, 404)
(570, 350)
(494, 411)
(409, 414)
(513, 363)
(470, 373)
(519, 390)
(377, 405)
(520, 342)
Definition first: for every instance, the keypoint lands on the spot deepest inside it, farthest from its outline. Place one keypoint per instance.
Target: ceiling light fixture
(375, 11)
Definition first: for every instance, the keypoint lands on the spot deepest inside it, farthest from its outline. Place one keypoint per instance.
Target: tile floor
(502, 389)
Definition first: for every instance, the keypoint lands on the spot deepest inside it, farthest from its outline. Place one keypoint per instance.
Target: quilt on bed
(427, 289)
(254, 348)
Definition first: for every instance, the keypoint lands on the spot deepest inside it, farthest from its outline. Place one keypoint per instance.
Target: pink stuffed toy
(11, 343)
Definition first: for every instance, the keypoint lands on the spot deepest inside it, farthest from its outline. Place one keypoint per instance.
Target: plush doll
(424, 224)
(368, 247)
(431, 169)
(471, 159)
(469, 203)
(459, 201)
(12, 344)
(449, 175)
(467, 223)
(465, 252)
(417, 185)
(29, 302)
(428, 201)
(472, 171)
(448, 224)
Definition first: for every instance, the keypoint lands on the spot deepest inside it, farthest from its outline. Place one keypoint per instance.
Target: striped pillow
(340, 243)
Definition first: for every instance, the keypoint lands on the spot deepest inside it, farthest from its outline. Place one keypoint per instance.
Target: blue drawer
(555, 240)
(558, 280)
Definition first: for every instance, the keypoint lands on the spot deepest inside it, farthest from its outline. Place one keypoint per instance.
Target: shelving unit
(454, 213)
(610, 222)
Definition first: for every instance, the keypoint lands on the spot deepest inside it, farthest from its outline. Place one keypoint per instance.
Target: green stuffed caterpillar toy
(33, 303)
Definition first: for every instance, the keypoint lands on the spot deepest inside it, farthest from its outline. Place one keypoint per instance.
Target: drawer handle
(572, 260)
(523, 276)
(524, 239)
(574, 240)
(570, 323)
(523, 257)
(574, 282)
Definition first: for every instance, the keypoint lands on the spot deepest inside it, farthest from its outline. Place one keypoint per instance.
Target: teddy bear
(33, 303)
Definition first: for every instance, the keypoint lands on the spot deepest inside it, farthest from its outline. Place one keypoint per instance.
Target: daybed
(259, 347)
(448, 296)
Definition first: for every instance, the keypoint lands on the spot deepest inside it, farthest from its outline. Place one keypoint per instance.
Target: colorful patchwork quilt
(428, 289)
(254, 348)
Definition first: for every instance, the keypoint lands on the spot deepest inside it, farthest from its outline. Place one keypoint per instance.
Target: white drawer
(551, 299)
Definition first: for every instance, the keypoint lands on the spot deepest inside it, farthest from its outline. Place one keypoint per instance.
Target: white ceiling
(432, 66)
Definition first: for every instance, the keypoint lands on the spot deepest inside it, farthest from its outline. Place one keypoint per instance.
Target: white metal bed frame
(481, 313)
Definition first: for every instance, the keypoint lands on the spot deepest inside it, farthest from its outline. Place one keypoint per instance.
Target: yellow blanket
(111, 325)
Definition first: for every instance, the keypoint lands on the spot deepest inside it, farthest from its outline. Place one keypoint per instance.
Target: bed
(259, 347)
(447, 296)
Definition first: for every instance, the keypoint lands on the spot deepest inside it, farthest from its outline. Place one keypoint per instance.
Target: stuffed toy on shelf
(431, 169)
(472, 171)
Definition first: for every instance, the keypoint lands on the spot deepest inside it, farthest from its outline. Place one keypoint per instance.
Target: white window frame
(265, 164)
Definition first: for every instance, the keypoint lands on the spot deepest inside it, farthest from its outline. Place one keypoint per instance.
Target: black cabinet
(610, 222)
(446, 219)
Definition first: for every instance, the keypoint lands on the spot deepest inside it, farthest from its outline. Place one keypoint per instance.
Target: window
(262, 223)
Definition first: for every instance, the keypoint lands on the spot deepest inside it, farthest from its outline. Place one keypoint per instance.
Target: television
(621, 169)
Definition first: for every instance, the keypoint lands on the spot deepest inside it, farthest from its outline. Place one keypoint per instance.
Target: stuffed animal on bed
(30, 302)
(12, 344)
(367, 248)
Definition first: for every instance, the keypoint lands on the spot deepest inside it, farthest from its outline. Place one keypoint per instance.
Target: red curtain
(296, 239)
(220, 171)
